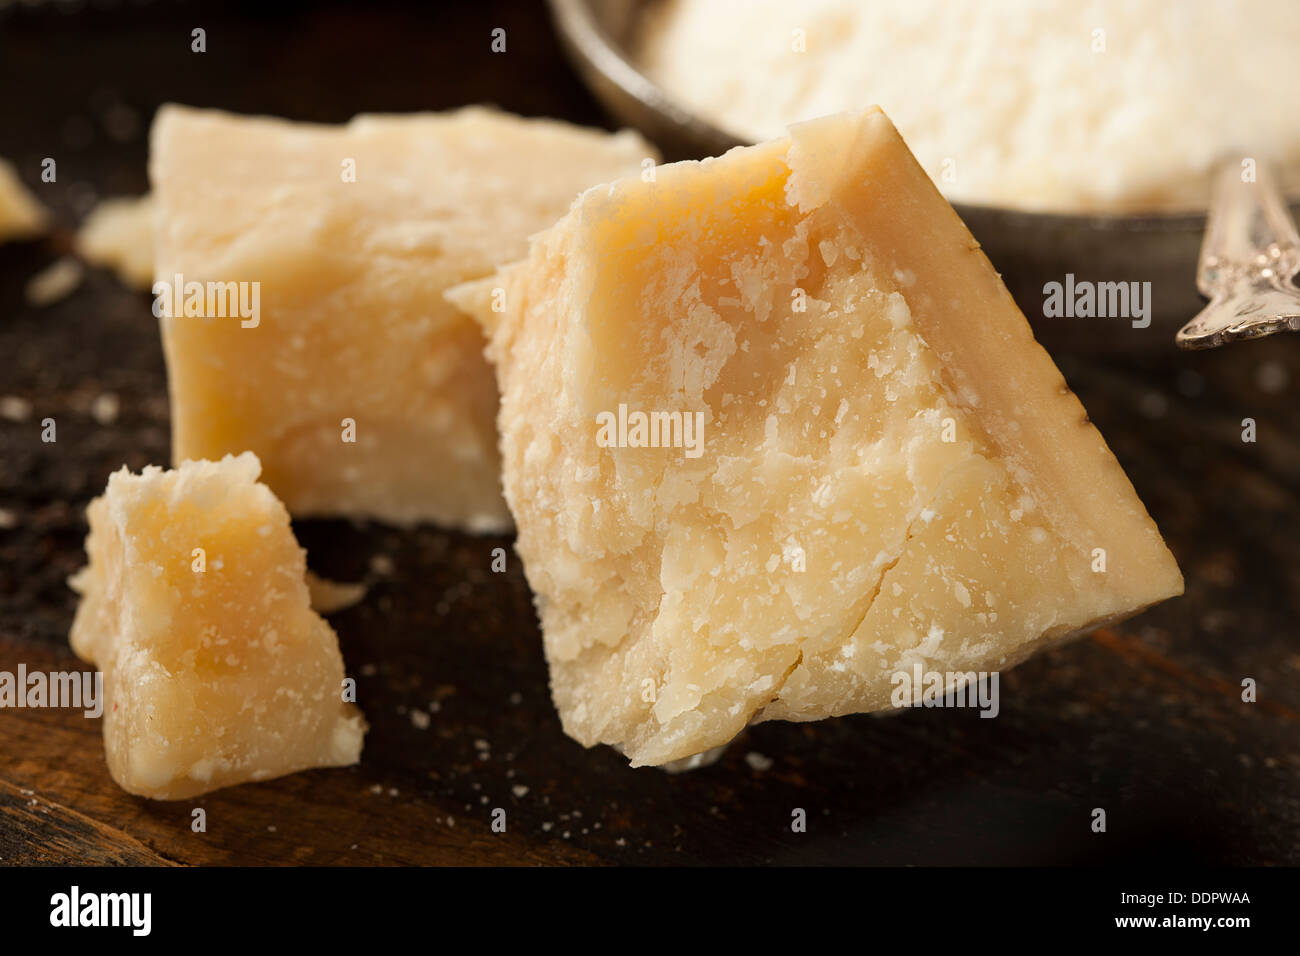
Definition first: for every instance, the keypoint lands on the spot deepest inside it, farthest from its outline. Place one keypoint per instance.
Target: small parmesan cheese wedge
(327, 249)
(775, 432)
(216, 670)
(118, 234)
(21, 216)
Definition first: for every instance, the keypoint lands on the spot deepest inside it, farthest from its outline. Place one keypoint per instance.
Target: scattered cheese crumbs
(661, 612)
(216, 670)
(21, 216)
(757, 761)
(321, 253)
(15, 409)
(1272, 377)
(519, 790)
(54, 283)
(118, 235)
(104, 408)
(705, 758)
(330, 597)
(419, 719)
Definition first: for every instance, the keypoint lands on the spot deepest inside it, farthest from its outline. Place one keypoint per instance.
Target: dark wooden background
(1145, 721)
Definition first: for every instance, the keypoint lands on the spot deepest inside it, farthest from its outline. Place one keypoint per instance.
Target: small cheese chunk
(54, 283)
(21, 216)
(216, 670)
(330, 597)
(362, 391)
(118, 234)
(852, 457)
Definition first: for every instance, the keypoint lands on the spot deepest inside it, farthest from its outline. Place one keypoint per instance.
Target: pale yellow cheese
(21, 216)
(330, 597)
(352, 233)
(118, 234)
(216, 670)
(892, 471)
(54, 283)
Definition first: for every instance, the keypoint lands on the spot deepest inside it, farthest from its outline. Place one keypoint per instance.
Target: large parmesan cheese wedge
(774, 432)
(360, 389)
(194, 607)
(21, 216)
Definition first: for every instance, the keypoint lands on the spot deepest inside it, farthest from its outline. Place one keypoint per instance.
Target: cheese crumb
(54, 283)
(21, 216)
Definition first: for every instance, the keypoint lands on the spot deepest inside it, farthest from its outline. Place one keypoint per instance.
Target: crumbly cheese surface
(118, 234)
(194, 607)
(1038, 104)
(892, 471)
(359, 388)
(21, 216)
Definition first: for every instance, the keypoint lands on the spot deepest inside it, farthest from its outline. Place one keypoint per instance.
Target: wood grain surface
(1146, 720)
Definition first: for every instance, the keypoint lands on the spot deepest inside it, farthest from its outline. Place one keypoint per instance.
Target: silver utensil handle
(1250, 226)
(1249, 257)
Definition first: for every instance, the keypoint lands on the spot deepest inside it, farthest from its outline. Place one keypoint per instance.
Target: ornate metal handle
(1250, 255)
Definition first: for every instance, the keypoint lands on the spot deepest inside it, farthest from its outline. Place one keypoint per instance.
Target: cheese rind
(361, 390)
(893, 470)
(194, 607)
(21, 216)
